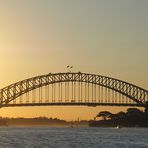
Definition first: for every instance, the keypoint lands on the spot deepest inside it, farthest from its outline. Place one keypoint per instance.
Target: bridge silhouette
(73, 89)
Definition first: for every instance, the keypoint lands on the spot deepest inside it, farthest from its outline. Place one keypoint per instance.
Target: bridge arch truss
(137, 96)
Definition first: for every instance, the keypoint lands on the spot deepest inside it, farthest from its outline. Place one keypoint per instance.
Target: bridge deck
(71, 104)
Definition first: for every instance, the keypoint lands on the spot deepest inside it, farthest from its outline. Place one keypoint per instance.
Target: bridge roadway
(71, 104)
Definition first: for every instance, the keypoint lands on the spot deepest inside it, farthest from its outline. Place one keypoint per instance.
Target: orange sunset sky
(101, 37)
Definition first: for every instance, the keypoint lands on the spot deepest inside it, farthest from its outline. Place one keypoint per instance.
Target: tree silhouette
(119, 116)
(104, 114)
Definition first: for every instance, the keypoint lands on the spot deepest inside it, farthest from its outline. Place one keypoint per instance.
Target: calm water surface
(45, 137)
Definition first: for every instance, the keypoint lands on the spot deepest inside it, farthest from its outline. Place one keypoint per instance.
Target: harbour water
(61, 137)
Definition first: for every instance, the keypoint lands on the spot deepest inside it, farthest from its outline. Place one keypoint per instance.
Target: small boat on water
(118, 127)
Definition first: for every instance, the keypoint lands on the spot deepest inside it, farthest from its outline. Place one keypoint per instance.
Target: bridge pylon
(146, 107)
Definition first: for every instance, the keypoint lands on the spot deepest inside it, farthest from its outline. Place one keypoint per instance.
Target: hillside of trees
(40, 121)
(132, 118)
(31, 121)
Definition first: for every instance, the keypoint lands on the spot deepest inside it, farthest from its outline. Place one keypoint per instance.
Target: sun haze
(100, 37)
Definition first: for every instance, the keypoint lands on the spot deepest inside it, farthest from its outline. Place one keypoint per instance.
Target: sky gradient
(102, 37)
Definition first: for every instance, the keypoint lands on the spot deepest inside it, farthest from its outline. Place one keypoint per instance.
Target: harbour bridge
(73, 89)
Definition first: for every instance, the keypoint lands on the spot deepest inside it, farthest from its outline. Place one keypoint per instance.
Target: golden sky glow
(101, 37)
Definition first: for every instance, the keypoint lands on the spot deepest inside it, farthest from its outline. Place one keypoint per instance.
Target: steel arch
(133, 92)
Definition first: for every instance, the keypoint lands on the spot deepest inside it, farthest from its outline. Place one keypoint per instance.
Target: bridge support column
(146, 108)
